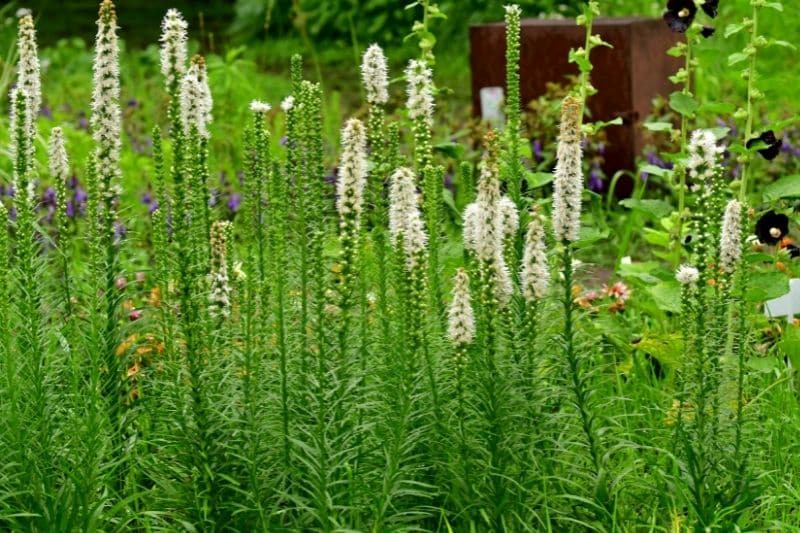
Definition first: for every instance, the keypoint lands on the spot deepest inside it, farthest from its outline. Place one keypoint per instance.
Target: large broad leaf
(683, 103)
(590, 236)
(786, 187)
(790, 344)
(538, 179)
(667, 295)
(654, 208)
(767, 285)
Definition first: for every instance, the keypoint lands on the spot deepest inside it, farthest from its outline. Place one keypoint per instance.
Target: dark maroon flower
(772, 227)
(680, 14)
(773, 147)
(710, 7)
(135, 315)
(707, 31)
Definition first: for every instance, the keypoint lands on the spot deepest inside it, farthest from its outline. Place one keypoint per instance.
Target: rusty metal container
(627, 77)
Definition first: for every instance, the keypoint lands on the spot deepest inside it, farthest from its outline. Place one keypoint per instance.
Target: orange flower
(125, 345)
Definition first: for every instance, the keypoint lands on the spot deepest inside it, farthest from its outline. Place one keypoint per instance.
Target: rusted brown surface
(627, 76)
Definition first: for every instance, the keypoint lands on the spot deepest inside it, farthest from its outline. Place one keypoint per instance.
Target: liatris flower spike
(730, 246)
(568, 181)
(375, 75)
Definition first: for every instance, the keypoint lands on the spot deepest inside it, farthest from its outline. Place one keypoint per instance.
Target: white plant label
(787, 305)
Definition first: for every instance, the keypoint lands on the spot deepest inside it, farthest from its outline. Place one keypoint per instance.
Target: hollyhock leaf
(538, 179)
(766, 286)
(733, 29)
(654, 170)
(736, 58)
(784, 44)
(654, 208)
(590, 236)
(785, 187)
(658, 238)
(667, 295)
(658, 126)
(683, 103)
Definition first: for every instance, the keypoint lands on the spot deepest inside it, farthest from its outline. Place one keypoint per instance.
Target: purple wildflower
(234, 201)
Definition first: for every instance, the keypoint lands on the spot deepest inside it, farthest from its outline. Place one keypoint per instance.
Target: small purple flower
(601, 148)
(83, 123)
(284, 140)
(46, 112)
(596, 179)
(537, 150)
(234, 201)
(49, 197)
(120, 232)
(213, 197)
(133, 103)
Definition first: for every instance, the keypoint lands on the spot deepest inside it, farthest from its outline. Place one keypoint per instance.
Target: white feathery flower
(730, 245)
(472, 218)
(352, 170)
(513, 10)
(415, 239)
(402, 200)
(405, 219)
(486, 229)
(420, 103)
(196, 101)
(687, 275)
(219, 296)
(23, 12)
(535, 273)
(173, 46)
(29, 77)
(460, 317)
(375, 75)
(57, 155)
(106, 120)
(704, 154)
(509, 216)
(504, 285)
(287, 104)
(568, 176)
(257, 106)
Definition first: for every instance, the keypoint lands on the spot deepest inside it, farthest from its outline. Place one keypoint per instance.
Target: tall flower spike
(57, 154)
(405, 219)
(19, 135)
(402, 200)
(483, 222)
(352, 171)
(730, 246)
(568, 181)
(196, 101)
(461, 319)
(509, 216)
(59, 171)
(106, 119)
(220, 293)
(375, 75)
(535, 273)
(420, 91)
(173, 47)
(704, 154)
(29, 76)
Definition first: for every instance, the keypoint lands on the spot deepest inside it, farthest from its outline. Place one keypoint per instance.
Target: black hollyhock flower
(794, 251)
(710, 7)
(773, 145)
(680, 14)
(772, 227)
(707, 31)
